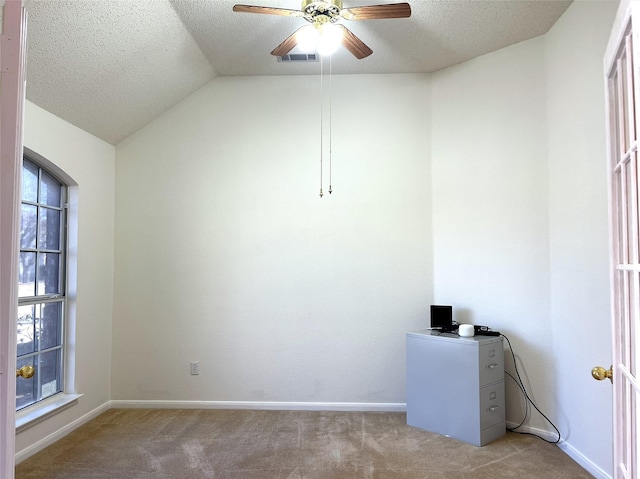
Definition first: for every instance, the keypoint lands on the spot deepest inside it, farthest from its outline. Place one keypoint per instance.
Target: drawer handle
(492, 366)
(492, 408)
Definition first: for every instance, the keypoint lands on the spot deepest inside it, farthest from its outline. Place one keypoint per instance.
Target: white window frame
(40, 410)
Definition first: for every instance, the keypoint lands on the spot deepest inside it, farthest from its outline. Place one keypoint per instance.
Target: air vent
(299, 57)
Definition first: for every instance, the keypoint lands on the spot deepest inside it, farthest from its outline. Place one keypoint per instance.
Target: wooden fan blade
(267, 10)
(374, 12)
(352, 43)
(287, 45)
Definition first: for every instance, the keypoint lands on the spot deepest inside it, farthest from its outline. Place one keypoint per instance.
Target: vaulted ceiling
(112, 66)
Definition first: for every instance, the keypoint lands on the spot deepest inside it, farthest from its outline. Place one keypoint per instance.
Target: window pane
(630, 193)
(28, 215)
(49, 190)
(49, 229)
(29, 182)
(27, 275)
(615, 139)
(26, 330)
(618, 217)
(25, 388)
(50, 326)
(48, 273)
(49, 371)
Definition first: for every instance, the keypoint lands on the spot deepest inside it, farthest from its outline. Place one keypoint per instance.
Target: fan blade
(267, 10)
(287, 45)
(352, 43)
(374, 12)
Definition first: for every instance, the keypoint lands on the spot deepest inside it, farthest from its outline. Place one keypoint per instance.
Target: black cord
(527, 409)
(528, 401)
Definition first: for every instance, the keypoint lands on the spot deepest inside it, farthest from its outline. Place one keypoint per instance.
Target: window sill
(32, 415)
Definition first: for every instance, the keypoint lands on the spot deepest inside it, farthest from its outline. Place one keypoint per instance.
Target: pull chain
(330, 129)
(321, 90)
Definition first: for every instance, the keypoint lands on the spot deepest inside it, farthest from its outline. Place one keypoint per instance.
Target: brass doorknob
(26, 372)
(601, 373)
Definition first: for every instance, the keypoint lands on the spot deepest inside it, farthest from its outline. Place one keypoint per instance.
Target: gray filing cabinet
(455, 385)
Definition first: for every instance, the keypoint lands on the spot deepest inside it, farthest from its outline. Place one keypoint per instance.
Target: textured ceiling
(112, 66)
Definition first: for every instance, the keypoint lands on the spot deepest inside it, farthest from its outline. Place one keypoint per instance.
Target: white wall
(489, 174)
(91, 163)
(225, 253)
(578, 226)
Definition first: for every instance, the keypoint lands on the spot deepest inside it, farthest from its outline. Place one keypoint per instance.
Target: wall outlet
(195, 368)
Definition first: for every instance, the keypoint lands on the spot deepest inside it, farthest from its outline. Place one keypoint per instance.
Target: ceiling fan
(323, 16)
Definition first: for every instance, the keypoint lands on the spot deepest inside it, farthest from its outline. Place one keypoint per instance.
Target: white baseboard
(593, 469)
(60, 433)
(548, 435)
(282, 406)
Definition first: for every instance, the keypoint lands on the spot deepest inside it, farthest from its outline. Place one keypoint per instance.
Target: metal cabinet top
(432, 335)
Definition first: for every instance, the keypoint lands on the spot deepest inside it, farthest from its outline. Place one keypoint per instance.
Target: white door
(12, 50)
(622, 87)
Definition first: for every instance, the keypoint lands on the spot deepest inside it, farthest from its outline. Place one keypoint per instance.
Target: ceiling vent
(299, 57)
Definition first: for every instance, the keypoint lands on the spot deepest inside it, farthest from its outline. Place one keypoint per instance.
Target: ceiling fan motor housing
(319, 12)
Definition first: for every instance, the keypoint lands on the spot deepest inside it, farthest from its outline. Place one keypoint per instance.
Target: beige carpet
(246, 444)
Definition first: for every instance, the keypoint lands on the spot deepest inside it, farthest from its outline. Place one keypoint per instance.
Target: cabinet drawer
(491, 405)
(491, 363)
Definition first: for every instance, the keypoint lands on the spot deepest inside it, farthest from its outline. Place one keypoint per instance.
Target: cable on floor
(528, 401)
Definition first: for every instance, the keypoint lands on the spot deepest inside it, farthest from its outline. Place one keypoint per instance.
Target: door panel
(621, 90)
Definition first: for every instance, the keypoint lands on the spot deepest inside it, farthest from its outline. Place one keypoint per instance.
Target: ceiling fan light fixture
(308, 38)
(321, 38)
(329, 40)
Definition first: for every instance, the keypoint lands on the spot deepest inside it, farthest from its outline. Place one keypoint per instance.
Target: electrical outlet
(195, 368)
